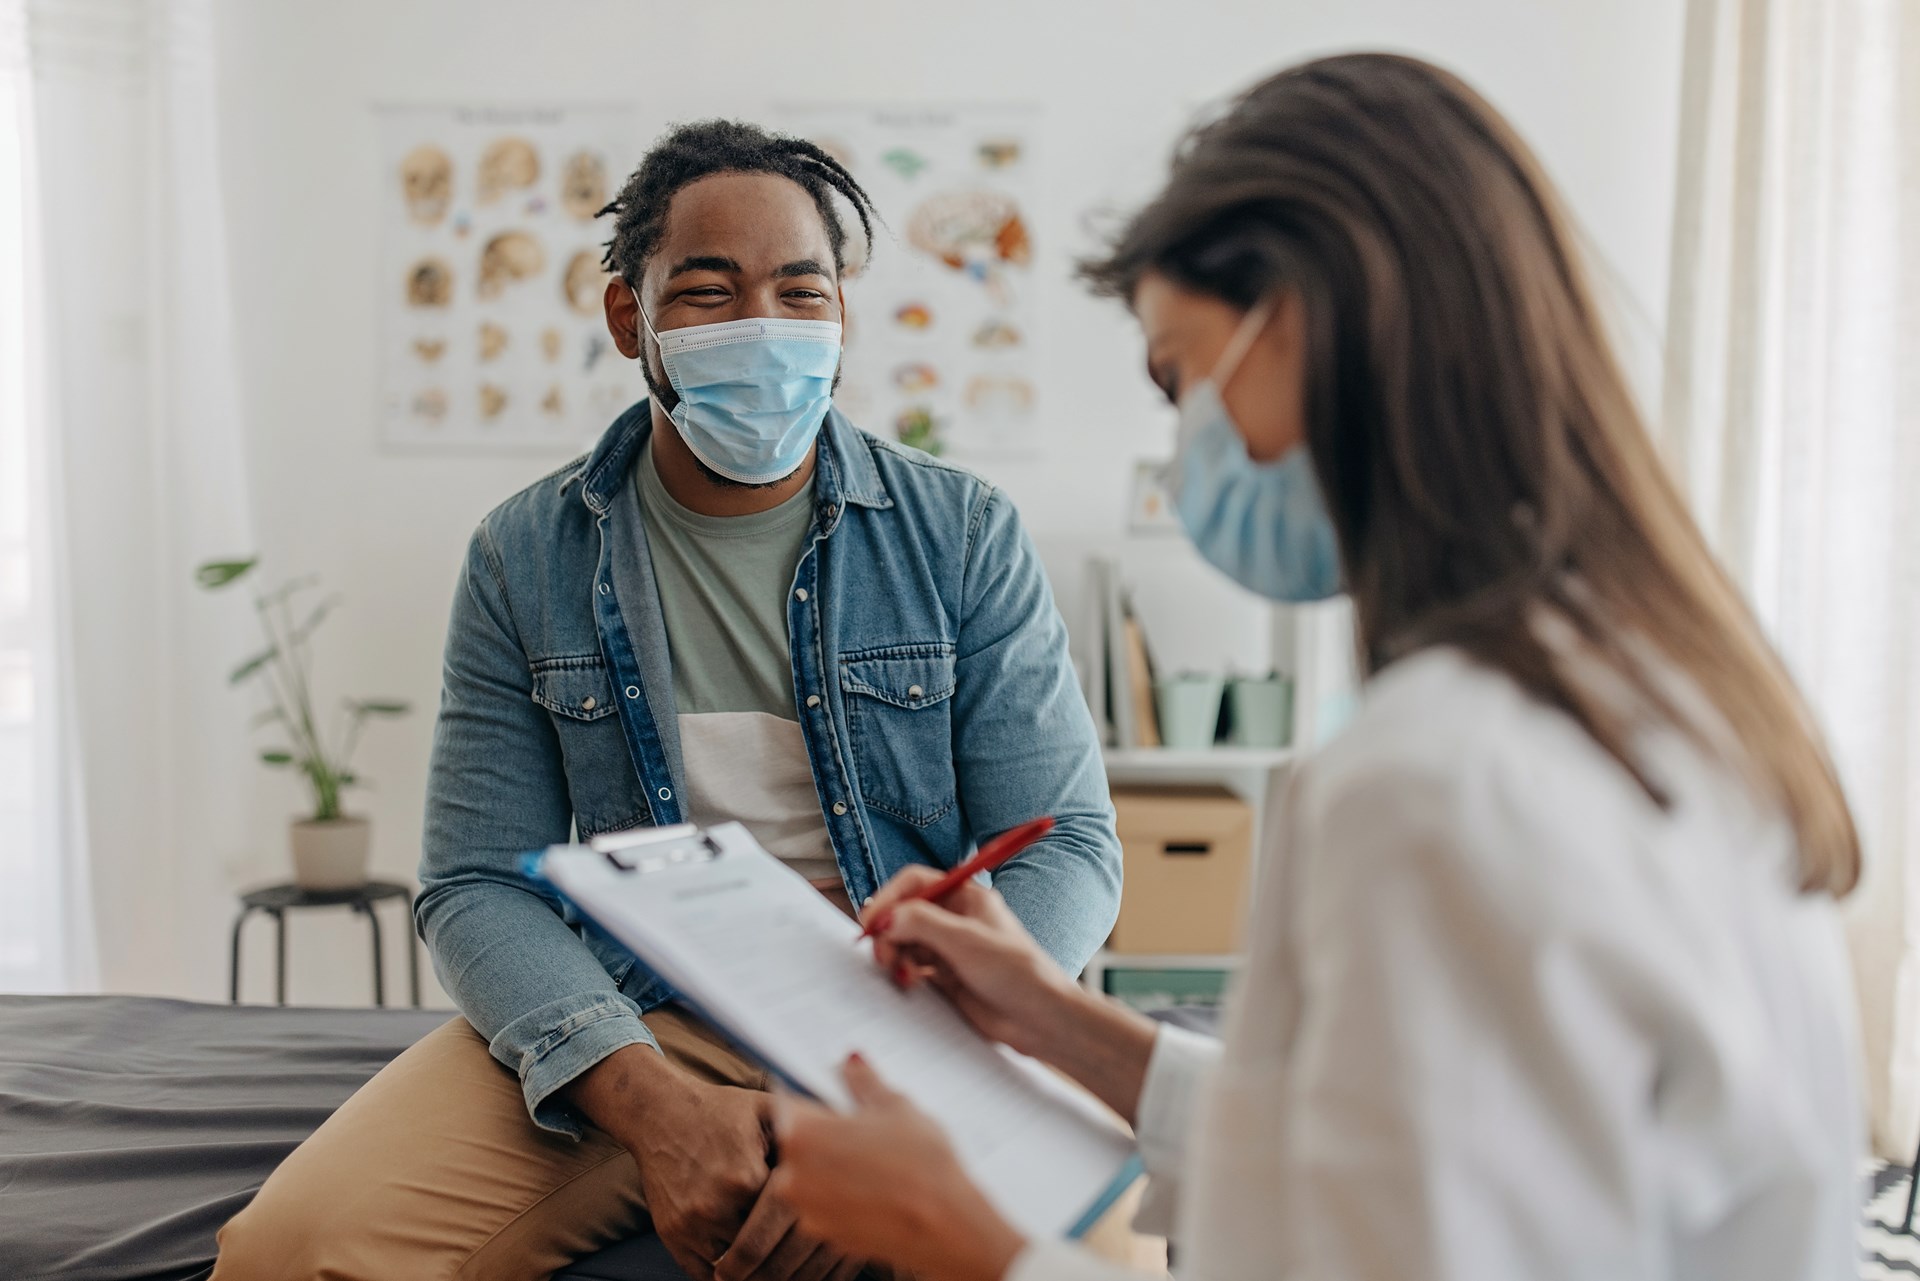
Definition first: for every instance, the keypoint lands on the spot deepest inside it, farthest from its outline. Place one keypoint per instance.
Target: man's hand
(702, 1149)
(771, 1247)
(702, 1152)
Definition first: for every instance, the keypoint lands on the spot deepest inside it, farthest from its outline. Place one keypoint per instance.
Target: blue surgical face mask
(1261, 524)
(753, 392)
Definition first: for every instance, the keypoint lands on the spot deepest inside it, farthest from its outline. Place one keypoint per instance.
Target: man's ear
(840, 295)
(623, 317)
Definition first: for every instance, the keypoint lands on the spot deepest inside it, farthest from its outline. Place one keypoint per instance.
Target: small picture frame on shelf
(1149, 509)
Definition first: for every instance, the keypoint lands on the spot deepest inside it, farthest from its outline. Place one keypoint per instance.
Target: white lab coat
(1504, 1018)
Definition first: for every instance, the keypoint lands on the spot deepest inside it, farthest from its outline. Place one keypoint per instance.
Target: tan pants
(434, 1170)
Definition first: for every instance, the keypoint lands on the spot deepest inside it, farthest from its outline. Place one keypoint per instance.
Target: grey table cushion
(132, 1128)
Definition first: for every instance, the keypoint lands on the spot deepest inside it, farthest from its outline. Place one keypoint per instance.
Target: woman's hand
(972, 947)
(884, 1184)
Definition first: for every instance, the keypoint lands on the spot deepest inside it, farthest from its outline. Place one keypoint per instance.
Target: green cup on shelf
(1260, 711)
(1189, 707)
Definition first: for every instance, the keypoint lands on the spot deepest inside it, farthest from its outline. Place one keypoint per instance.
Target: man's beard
(666, 397)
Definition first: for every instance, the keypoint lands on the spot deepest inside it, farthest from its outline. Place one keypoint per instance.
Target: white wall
(1594, 87)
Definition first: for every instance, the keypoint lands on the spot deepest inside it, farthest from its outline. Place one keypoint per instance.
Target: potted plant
(330, 847)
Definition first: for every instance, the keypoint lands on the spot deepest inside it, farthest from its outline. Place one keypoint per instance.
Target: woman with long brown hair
(1545, 980)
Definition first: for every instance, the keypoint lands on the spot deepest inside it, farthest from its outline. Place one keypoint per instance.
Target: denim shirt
(931, 682)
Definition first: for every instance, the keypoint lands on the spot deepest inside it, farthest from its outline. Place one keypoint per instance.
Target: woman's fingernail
(857, 1057)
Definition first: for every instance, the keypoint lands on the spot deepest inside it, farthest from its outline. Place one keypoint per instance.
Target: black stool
(277, 900)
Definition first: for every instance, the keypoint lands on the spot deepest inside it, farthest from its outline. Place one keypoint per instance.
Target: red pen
(985, 859)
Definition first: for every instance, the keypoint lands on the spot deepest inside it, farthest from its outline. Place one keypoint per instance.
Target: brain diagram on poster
(491, 326)
(940, 322)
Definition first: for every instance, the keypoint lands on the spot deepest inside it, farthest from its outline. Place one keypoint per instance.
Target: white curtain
(46, 941)
(1792, 414)
(139, 474)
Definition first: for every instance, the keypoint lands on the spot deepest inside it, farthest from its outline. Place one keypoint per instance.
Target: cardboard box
(1188, 855)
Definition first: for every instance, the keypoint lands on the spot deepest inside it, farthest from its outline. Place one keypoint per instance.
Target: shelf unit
(1200, 762)
(1258, 775)
(1195, 619)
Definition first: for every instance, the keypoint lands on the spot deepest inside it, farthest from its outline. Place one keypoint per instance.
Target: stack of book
(1116, 668)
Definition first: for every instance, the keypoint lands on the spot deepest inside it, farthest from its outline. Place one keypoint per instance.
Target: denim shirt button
(839, 807)
(813, 700)
(800, 594)
(666, 793)
(603, 589)
(588, 703)
(913, 691)
(633, 691)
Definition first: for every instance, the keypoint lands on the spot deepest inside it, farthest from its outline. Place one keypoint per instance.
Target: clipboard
(759, 954)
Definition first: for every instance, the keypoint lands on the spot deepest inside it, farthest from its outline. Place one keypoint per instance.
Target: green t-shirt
(723, 591)
(723, 584)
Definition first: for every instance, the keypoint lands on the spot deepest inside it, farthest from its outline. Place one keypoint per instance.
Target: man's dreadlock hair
(693, 151)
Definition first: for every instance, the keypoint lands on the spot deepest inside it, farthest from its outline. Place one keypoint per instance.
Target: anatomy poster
(940, 322)
(492, 333)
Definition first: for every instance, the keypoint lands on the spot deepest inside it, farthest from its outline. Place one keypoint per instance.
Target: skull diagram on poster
(491, 328)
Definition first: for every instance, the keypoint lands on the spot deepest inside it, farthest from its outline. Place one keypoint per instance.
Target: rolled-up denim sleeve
(496, 789)
(1025, 746)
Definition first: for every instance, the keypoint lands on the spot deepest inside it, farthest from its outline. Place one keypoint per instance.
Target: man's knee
(275, 1236)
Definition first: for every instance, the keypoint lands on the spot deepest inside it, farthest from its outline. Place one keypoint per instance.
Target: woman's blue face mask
(1261, 524)
(753, 392)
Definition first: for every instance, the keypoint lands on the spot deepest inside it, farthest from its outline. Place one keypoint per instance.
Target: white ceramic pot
(331, 855)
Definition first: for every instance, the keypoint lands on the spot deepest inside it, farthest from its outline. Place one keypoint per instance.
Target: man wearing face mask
(737, 607)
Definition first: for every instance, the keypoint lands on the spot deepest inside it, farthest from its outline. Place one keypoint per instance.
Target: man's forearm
(546, 1005)
(632, 1083)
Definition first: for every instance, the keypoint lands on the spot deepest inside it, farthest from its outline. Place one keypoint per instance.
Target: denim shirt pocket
(601, 781)
(899, 702)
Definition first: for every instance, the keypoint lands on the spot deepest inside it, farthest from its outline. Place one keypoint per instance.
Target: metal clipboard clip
(648, 849)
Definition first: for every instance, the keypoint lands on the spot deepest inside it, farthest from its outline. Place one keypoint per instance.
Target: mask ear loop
(1241, 343)
(658, 346)
(641, 308)
(1228, 365)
